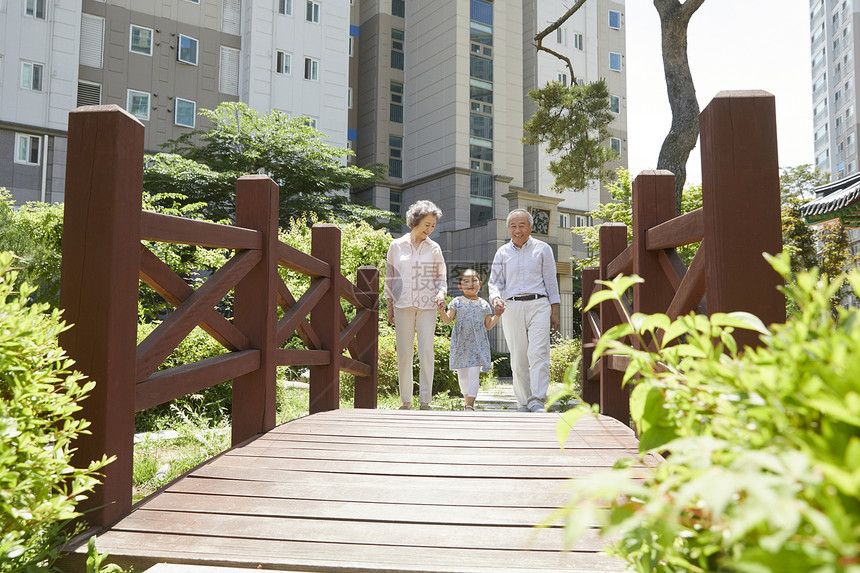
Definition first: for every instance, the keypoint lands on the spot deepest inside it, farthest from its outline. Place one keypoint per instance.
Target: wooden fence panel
(614, 398)
(325, 320)
(99, 270)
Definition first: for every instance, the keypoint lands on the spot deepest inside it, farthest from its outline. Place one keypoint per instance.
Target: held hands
(499, 306)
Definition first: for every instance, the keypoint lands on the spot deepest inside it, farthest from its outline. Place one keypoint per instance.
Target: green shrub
(39, 395)
(213, 404)
(564, 354)
(764, 465)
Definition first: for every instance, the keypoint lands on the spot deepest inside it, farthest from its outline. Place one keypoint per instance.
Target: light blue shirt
(527, 270)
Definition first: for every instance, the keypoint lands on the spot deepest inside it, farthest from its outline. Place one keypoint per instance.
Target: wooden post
(590, 390)
(614, 398)
(255, 309)
(367, 340)
(653, 203)
(741, 206)
(325, 320)
(99, 286)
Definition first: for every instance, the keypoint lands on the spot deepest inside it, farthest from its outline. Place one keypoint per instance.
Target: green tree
(34, 232)
(572, 121)
(799, 182)
(310, 173)
(798, 239)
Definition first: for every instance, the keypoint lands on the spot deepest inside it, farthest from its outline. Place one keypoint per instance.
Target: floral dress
(469, 343)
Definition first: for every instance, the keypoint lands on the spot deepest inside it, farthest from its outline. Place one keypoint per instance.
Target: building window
(561, 36)
(351, 46)
(851, 143)
(137, 104)
(564, 220)
(578, 42)
(395, 156)
(615, 19)
(27, 148)
(396, 106)
(89, 94)
(398, 8)
(313, 12)
(187, 50)
(228, 73)
(397, 38)
(285, 7)
(31, 76)
(186, 112)
(614, 104)
(348, 98)
(615, 61)
(562, 79)
(36, 8)
(141, 40)
(284, 62)
(231, 17)
(92, 40)
(481, 68)
(615, 144)
(395, 202)
(312, 69)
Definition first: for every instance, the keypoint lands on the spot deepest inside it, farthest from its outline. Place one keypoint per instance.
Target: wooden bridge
(343, 490)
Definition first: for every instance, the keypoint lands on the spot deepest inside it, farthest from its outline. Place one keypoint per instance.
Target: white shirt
(414, 275)
(527, 270)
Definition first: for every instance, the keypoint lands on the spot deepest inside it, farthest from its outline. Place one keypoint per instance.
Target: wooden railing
(739, 221)
(104, 260)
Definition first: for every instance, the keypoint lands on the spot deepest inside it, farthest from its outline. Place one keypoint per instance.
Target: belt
(527, 297)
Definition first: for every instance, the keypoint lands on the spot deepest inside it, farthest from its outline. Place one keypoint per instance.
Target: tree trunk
(682, 136)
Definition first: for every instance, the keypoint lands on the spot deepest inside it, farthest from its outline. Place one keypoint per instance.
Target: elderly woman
(415, 280)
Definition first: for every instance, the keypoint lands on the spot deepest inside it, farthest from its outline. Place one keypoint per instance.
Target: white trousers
(526, 326)
(470, 380)
(408, 321)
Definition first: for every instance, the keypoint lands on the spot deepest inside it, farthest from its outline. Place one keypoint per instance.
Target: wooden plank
(325, 320)
(161, 341)
(614, 397)
(672, 265)
(162, 279)
(354, 295)
(99, 286)
(299, 357)
(692, 287)
(296, 312)
(354, 367)
(682, 230)
(166, 385)
(291, 258)
(362, 317)
(366, 343)
(622, 264)
(172, 229)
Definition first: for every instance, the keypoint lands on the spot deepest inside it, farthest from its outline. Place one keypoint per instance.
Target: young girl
(470, 347)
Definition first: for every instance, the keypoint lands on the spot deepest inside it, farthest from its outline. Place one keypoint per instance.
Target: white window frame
(27, 82)
(283, 63)
(311, 121)
(28, 138)
(179, 50)
(616, 12)
(226, 56)
(311, 72)
(351, 46)
(620, 62)
(562, 78)
(94, 84)
(617, 101)
(131, 47)
(561, 36)
(129, 94)
(314, 8)
(285, 7)
(193, 115)
(564, 220)
(32, 8)
(578, 41)
(348, 98)
(193, 1)
(613, 143)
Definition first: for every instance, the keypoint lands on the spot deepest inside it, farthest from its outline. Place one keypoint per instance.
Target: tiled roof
(833, 196)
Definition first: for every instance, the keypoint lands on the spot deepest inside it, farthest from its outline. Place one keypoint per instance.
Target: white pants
(526, 326)
(408, 321)
(470, 380)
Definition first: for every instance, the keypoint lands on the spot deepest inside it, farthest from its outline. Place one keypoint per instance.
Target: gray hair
(419, 210)
(528, 216)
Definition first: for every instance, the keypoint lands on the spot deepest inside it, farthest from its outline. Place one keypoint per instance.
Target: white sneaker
(537, 407)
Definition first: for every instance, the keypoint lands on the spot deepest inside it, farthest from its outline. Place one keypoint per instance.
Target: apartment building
(833, 45)
(441, 99)
(163, 62)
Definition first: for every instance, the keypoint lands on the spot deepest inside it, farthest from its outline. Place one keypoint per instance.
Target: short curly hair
(419, 210)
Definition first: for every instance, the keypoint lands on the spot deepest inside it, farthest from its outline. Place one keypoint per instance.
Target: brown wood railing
(104, 260)
(738, 221)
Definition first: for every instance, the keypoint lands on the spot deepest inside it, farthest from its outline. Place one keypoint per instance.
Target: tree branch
(552, 28)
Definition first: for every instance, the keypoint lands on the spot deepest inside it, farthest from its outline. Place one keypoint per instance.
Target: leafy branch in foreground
(763, 465)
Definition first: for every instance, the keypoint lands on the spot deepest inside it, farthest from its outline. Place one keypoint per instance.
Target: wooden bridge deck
(379, 490)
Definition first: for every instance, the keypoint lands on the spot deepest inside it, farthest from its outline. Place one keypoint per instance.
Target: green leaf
(600, 296)
(566, 422)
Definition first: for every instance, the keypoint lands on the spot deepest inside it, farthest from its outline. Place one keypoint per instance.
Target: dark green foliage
(310, 173)
(572, 121)
(798, 183)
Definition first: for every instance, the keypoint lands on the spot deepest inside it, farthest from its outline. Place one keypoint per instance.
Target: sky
(732, 45)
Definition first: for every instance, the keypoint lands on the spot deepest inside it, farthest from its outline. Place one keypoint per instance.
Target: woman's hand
(390, 311)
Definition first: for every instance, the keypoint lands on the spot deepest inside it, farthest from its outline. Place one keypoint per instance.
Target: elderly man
(523, 284)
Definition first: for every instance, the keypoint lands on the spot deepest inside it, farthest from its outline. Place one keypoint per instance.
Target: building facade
(833, 45)
(163, 62)
(441, 98)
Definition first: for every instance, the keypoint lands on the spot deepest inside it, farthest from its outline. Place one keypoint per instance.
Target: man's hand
(498, 305)
(554, 322)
